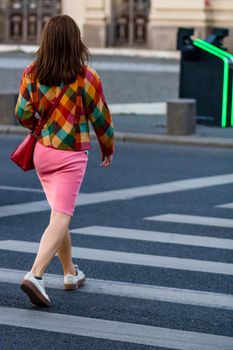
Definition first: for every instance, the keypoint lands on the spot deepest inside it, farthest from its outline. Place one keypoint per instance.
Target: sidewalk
(152, 129)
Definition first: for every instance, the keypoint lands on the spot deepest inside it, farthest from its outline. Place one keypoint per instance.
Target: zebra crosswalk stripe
(226, 205)
(133, 290)
(193, 219)
(113, 330)
(122, 194)
(21, 189)
(129, 258)
(155, 236)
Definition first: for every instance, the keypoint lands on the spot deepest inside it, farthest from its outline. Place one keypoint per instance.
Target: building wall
(21, 21)
(94, 17)
(3, 5)
(91, 17)
(75, 9)
(167, 15)
(96, 20)
(220, 14)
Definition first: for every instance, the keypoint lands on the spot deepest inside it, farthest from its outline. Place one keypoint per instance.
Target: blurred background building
(126, 23)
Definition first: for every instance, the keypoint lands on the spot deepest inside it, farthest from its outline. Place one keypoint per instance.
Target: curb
(190, 140)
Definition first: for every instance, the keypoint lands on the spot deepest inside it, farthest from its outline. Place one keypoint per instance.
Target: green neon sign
(227, 59)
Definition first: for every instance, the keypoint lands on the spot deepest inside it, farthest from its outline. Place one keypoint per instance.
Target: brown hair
(62, 54)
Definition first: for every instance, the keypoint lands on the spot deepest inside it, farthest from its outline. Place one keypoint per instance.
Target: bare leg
(64, 252)
(50, 242)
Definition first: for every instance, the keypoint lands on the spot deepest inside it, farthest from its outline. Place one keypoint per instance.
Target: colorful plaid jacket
(67, 128)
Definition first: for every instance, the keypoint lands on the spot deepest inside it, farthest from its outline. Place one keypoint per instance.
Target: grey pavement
(103, 65)
(125, 79)
(153, 129)
(157, 125)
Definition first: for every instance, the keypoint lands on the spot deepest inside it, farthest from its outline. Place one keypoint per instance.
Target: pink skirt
(61, 174)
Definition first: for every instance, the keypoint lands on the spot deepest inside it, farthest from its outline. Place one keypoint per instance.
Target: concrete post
(7, 108)
(181, 117)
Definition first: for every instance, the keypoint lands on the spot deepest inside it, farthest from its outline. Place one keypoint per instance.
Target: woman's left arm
(97, 110)
(24, 110)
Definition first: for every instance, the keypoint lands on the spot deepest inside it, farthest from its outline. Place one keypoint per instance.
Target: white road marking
(139, 108)
(155, 236)
(193, 219)
(227, 205)
(129, 258)
(23, 208)
(113, 330)
(123, 194)
(23, 189)
(136, 67)
(104, 51)
(20, 63)
(132, 290)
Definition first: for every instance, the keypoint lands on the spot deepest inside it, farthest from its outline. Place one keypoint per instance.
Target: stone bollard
(7, 108)
(181, 117)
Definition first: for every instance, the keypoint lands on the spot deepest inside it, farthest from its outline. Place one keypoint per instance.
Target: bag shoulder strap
(52, 107)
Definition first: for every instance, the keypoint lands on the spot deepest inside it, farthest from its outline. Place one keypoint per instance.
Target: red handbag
(23, 154)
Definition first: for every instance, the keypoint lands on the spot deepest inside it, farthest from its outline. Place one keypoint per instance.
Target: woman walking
(61, 151)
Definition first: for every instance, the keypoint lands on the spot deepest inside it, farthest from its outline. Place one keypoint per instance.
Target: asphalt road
(135, 167)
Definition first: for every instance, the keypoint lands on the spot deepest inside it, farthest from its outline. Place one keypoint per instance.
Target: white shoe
(73, 282)
(35, 290)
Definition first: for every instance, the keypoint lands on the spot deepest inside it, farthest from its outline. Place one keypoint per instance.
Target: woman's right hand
(106, 161)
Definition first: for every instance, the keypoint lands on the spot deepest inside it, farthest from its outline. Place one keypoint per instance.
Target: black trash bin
(206, 74)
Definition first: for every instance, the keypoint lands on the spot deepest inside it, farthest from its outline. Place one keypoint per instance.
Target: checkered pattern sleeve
(97, 111)
(24, 108)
